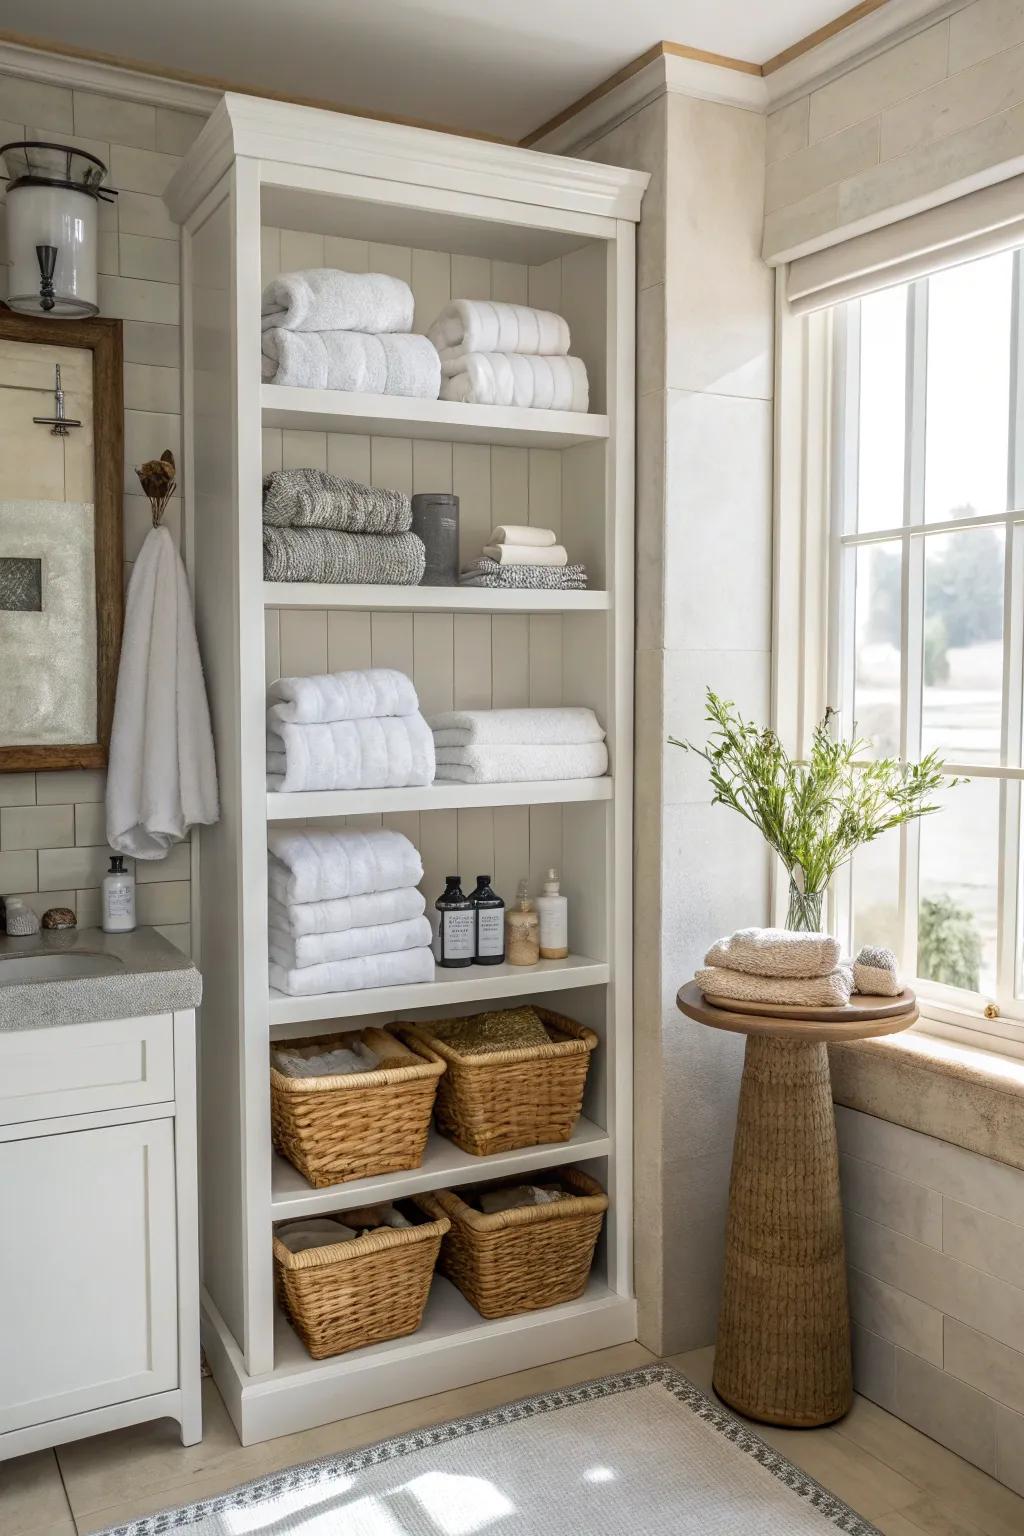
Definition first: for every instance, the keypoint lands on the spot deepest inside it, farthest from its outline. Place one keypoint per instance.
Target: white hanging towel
(162, 777)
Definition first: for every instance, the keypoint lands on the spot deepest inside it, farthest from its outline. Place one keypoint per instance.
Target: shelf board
(312, 594)
(440, 796)
(450, 421)
(476, 983)
(443, 1164)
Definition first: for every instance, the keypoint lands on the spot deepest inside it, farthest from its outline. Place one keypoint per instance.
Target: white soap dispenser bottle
(553, 911)
(118, 899)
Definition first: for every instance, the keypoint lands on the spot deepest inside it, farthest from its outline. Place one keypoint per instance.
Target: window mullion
(1008, 979)
(912, 605)
(842, 575)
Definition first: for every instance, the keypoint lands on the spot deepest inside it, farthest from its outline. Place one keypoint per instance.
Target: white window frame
(813, 556)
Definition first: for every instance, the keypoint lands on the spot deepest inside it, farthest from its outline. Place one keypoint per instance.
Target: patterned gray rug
(642, 1454)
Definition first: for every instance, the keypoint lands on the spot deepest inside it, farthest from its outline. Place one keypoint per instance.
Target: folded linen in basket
(359, 559)
(831, 991)
(545, 578)
(309, 864)
(399, 968)
(313, 498)
(342, 1061)
(318, 1232)
(775, 952)
(350, 361)
(323, 948)
(520, 554)
(522, 764)
(327, 299)
(521, 533)
(506, 378)
(368, 694)
(488, 325)
(300, 918)
(560, 726)
(389, 753)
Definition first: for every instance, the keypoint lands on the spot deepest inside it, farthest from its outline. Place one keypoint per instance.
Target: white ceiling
(494, 66)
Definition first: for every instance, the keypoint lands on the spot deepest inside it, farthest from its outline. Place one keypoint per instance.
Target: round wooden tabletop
(858, 1020)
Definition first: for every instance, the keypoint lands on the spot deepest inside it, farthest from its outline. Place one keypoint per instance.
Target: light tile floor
(893, 1475)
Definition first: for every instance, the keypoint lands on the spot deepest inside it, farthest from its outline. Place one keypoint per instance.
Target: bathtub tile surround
(51, 854)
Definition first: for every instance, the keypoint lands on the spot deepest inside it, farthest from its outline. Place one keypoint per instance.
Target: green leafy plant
(948, 943)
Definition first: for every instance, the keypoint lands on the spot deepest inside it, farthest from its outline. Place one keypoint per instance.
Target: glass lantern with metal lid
(53, 192)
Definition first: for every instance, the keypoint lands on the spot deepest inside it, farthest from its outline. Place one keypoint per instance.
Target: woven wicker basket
(499, 1100)
(347, 1295)
(334, 1129)
(525, 1259)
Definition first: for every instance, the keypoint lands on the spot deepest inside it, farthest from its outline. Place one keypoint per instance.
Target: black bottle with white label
(456, 937)
(490, 923)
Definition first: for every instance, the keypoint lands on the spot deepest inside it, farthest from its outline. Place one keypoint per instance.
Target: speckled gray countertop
(131, 974)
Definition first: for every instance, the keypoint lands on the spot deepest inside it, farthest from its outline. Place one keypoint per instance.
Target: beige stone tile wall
(937, 114)
(52, 840)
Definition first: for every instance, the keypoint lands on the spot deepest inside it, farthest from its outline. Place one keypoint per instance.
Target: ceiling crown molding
(87, 71)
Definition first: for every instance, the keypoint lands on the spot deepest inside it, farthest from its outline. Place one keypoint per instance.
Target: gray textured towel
(312, 498)
(322, 554)
(548, 578)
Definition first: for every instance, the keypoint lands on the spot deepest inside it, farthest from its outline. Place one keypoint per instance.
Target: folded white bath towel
(521, 764)
(507, 378)
(521, 533)
(326, 299)
(322, 948)
(390, 753)
(398, 969)
(487, 325)
(525, 554)
(560, 726)
(364, 695)
(353, 362)
(315, 865)
(775, 952)
(308, 917)
(341, 1061)
(831, 991)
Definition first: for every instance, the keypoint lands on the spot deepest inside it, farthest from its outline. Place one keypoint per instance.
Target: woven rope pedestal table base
(783, 1350)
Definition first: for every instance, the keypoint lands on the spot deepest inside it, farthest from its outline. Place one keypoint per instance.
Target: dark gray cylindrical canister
(435, 518)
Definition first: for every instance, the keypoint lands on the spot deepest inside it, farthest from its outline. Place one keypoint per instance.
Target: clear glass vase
(804, 914)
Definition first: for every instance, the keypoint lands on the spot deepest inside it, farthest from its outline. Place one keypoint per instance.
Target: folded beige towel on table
(776, 952)
(830, 991)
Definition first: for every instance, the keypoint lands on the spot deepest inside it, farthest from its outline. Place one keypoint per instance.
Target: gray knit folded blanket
(312, 498)
(550, 578)
(325, 555)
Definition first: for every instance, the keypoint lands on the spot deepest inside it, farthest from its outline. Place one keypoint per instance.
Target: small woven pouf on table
(783, 1350)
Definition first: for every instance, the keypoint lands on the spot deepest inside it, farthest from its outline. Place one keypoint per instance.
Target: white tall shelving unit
(269, 187)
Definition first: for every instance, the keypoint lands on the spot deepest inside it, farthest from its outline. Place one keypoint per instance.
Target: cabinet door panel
(76, 1069)
(87, 1271)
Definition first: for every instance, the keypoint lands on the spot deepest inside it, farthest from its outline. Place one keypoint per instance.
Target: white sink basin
(68, 967)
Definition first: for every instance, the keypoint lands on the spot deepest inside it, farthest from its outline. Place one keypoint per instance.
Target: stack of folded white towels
(508, 746)
(508, 354)
(800, 970)
(517, 555)
(327, 329)
(345, 912)
(347, 730)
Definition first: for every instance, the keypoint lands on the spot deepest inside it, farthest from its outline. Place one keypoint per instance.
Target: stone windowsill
(956, 1093)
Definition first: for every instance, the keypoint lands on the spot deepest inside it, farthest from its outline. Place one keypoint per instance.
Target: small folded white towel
(390, 753)
(831, 991)
(302, 918)
(364, 695)
(403, 968)
(522, 764)
(775, 952)
(353, 362)
(327, 299)
(488, 325)
(876, 972)
(315, 1232)
(323, 948)
(343, 1061)
(525, 554)
(561, 726)
(507, 378)
(310, 864)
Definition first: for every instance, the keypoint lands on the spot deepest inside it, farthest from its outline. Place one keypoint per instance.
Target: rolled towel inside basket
(315, 1232)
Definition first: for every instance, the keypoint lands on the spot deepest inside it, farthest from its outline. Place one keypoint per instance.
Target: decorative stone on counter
(59, 917)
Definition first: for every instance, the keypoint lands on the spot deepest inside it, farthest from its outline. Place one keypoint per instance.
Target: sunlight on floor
(435, 1503)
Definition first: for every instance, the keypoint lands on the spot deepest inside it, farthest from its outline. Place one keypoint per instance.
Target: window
(924, 617)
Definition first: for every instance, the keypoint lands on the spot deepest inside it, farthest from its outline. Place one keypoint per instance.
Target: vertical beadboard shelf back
(270, 187)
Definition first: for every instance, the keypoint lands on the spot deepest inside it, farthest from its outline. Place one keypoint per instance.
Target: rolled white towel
(775, 952)
(405, 967)
(369, 694)
(830, 991)
(876, 972)
(562, 725)
(352, 362)
(323, 948)
(522, 764)
(526, 554)
(327, 299)
(508, 378)
(489, 325)
(521, 533)
(389, 753)
(314, 865)
(302, 918)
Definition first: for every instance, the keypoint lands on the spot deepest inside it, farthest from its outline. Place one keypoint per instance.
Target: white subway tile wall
(934, 109)
(52, 836)
(935, 1244)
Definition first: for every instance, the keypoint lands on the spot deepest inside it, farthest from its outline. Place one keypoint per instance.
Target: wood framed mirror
(61, 542)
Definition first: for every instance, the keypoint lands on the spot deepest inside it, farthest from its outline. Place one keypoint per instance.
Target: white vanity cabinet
(99, 1314)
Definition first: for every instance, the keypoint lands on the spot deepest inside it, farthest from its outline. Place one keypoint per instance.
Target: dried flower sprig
(157, 478)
